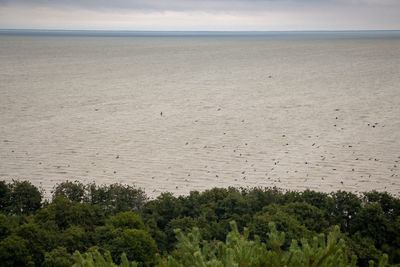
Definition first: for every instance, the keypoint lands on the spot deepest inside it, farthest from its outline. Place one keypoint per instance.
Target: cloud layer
(201, 14)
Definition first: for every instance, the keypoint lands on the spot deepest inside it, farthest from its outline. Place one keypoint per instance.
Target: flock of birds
(240, 153)
(271, 174)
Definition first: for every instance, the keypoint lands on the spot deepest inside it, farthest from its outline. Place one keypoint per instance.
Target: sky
(201, 15)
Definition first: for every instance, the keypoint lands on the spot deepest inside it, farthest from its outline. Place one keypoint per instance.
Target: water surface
(179, 112)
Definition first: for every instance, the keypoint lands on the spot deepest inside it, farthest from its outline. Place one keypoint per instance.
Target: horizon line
(115, 30)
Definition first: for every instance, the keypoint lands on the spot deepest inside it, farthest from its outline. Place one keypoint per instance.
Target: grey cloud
(202, 14)
(198, 5)
(163, 5)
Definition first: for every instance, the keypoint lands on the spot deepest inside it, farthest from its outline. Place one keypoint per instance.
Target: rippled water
(181, 113)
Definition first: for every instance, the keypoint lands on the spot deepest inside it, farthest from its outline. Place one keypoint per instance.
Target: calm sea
(182, 111)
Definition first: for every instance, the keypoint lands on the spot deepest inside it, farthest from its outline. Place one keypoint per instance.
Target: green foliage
(364, 248)
(127, 220)
(185, 224)
(64, 213)
(115, 198)
(124, 233)
(5, 226)
(371, 222)
(73, 191)
(36, 240)
(163, 209)
(345, 206)
(257, 198)
(284, 222)
(137, 244)
(319, 200)
(22, 198)
(14, 252)
(309, 216)
(239, 251)
(112, 199)
(4, 195)
(95, 259)
(81, 217)
(74, 238)
(58, 257)
(389, 204)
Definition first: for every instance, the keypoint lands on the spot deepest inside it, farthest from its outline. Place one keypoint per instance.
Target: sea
(183, 111)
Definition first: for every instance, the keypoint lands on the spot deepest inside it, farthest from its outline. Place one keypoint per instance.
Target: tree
(283, 221)
(307, 215)
(136, 244)
(127, 220)
(345, 206)
(316, 199)
(124, 233)
(64, 213)
(116, 198)
(58, 257)
(14, 252)
(4, 196)
(259, 198)
(239, 251)
(163, 209)
(24, 198)
(75, 238)
(389, 204)
(5, 226)
(73, 191)
(372, 222)
(185, 224)
(36, 240)
(94, 258)
(364, 248)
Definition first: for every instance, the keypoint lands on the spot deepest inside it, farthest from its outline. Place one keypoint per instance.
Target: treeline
(110, 225)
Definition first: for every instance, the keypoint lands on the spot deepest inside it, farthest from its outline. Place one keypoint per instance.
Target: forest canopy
(112, 225)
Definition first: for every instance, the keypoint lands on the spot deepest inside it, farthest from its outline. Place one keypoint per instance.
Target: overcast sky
(262, 15)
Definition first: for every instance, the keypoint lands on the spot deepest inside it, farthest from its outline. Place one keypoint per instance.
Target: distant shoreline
(122, 33)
